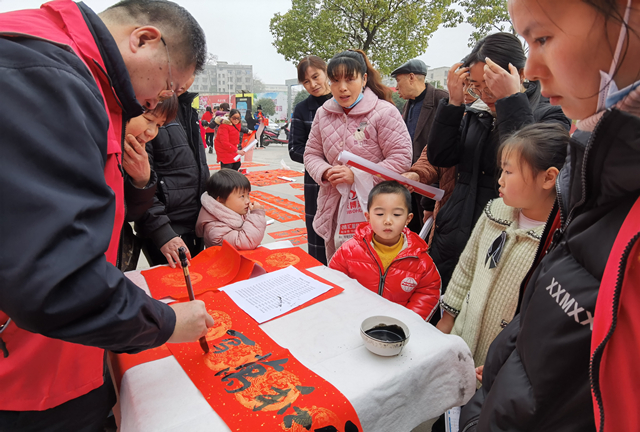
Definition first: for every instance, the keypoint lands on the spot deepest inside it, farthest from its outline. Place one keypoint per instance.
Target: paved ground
(273, 155)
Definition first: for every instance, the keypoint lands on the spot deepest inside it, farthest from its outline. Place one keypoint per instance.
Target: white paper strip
(249, 146)
(424, 232)
(348, 158)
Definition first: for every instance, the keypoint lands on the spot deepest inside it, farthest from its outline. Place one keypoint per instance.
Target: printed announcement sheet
(268, 296)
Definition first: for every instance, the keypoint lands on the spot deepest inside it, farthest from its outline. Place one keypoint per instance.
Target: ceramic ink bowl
(384, 336)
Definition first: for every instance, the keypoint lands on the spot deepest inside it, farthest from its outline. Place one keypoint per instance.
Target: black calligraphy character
(245, 340)
(267, 400)
(251, 370)
(301, 417)
(348, 427)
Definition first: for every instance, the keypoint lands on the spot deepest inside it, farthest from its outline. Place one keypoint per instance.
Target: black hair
(168, 109)
(503, 48)
(352, 63)
(234, 112)
(390, 187)
(186, 40)
(306, 63)
(222, 183)
(540, 145)
(208, 109)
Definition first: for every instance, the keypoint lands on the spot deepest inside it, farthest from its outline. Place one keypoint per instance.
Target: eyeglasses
(235, 118)
(166, 94)
(477, 93)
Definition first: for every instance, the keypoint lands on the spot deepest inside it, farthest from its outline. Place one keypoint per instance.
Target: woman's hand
(241, 152)
(339, 174)
(500, 82)
(411, 176)
(456, 79)
(479, 371)
(446, 323)
(135, 162)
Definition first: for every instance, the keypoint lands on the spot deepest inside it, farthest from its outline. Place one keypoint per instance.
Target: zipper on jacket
(583, 183)
(470, 425)
(380, 274)
(594, 374)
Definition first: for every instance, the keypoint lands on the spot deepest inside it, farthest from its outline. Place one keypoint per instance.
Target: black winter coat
(57, 211)
(178, 157)
(470, 143)
(536, 376)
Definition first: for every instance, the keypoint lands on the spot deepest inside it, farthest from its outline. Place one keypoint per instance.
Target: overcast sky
(238, 32)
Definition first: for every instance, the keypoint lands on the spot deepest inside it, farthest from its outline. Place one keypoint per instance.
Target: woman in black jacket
(312, 74)
(495, 70)
(569, 360)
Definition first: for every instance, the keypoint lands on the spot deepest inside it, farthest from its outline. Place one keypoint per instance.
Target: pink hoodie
(217, 222)
(386, 141)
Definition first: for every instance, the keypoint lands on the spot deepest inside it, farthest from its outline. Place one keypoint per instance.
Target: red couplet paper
(255, 384)
(213, 268)
(272, 260)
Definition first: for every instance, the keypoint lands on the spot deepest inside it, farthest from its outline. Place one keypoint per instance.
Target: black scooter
(271, 135)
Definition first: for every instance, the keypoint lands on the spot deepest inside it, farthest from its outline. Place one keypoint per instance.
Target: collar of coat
(222, 213)
(497, 211)
(413, 243)
(366, 105)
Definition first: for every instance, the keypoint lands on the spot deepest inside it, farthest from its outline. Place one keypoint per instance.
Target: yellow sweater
(388, 253)
(485, 299)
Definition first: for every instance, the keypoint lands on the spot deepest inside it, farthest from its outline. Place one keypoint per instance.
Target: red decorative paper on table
(300, 197)
(272, 260)
(270, 177)
(213, 268)
(244, 165)
(298, 240)
(297, 186)
(278, 214)
(254, 384)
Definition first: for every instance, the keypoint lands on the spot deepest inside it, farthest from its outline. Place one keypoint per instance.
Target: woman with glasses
(227, 140)
(494, 74)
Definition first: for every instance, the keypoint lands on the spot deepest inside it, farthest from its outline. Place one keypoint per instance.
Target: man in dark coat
(418, 114)
(178, 157)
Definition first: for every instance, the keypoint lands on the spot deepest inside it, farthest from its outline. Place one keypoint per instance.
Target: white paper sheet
(275, 293)
(282, 244)
(452, 419)
(426, 228)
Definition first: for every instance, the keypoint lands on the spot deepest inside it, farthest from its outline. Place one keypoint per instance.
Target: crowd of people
(531, 256)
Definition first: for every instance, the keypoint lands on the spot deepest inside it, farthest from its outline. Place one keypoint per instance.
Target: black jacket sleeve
(444, 148)
(138, 201)
(298, 135)
(154, 223)
(514, 112)
(57, 211)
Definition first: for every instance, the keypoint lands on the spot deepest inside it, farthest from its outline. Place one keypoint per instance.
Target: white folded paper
(273, 294)
(287, 178)
(424, 232)
(348, 158)
(249, 146)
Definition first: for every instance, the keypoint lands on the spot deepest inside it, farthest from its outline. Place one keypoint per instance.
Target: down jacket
(226, 143)
(178, 157)
(411, 280)
(217, 222)
(470, 143)
(539, 372)
(386, 142)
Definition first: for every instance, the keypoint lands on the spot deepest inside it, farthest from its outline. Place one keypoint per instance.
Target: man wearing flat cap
(418, 114)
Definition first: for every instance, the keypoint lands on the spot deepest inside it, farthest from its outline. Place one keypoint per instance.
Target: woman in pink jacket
(361, 119)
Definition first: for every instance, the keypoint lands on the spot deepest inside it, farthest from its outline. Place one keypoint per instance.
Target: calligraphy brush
(185, 269)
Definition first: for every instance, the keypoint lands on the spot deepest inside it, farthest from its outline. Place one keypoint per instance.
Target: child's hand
(255, 206)
(479, 371)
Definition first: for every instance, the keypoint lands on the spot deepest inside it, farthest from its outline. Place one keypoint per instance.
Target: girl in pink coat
(361, 119)
(228, 214)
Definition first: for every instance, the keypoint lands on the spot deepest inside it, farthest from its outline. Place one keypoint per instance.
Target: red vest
(41, 373)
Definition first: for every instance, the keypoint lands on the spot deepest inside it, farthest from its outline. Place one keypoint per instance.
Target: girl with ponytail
(361, 119)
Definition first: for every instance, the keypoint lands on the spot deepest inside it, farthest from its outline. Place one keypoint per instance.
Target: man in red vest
(70, 80)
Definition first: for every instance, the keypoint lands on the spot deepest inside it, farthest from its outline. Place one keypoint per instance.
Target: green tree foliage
(389, 31)
(268, 106)
(398, 101)
(302, 95)
(486, 16)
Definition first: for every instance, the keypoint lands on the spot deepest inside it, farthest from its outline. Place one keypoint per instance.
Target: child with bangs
(483, 294)
(386, 257)
(227, 212)
(361, 119)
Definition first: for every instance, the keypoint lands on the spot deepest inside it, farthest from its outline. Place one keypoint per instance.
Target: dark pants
(209, 139)
(234, 166)
(155, 257)
(315, 243)
(87, 413)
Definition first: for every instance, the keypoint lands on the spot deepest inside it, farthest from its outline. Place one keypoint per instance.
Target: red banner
(254, 384)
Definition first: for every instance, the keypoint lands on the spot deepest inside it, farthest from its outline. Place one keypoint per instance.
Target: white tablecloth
(433, 373)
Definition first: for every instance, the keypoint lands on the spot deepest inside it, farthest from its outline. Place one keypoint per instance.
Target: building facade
(223, 78)
(438, 76)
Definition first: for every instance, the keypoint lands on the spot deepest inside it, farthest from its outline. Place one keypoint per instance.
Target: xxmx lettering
(568, 304)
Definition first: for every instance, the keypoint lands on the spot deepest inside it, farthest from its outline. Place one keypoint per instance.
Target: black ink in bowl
(387, 333)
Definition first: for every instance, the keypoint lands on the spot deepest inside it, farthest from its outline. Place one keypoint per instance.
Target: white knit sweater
(485, 299)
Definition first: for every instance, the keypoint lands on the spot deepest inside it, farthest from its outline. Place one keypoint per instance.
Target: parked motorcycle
(272, 135)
